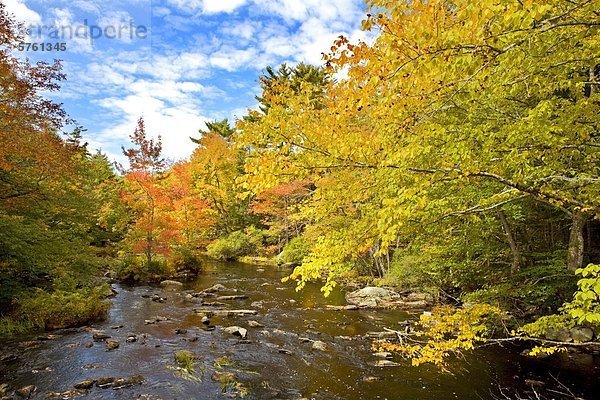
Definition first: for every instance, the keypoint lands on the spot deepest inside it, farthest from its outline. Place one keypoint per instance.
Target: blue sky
(199, 61)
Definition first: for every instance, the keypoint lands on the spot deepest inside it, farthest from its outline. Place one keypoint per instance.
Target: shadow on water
(277, 361)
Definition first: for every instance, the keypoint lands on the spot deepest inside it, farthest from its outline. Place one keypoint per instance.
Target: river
(275, 361)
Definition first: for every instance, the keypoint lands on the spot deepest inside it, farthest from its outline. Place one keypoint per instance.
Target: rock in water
(126, 382)
(105, 381)
(99, 336)
(372, 296)
(26, 391)
(561, 334)
(205, 320)
(386, 363)
(111, 345)
(86, 384)
(237, 331)
(582, 334)
(255, 324)
(318, 345)
(215, 288)
(169, 282)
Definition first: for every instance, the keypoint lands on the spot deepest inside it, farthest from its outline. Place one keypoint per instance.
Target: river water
(274, 362)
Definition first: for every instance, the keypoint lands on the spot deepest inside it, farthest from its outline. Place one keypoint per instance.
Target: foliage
(583, 309)
(235, 245)
(62, 309)
(479, 112)
(446, 331)
(294, 252)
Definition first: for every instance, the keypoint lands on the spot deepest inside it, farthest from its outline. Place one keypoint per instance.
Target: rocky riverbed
(236, 332)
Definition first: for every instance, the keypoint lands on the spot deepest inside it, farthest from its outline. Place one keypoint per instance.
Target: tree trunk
(576, 242)
(514, 248)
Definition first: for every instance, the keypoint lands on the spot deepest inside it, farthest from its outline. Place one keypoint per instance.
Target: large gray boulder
(372, 296)
(561, 334)
(582, 334)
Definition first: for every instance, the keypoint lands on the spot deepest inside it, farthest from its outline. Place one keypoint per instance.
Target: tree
(452, 113)
(144, 195)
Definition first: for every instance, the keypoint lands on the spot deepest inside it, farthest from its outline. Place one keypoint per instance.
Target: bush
(294, 251)
(134, 268)
(185, 259)
(233, 246)
(63, 309)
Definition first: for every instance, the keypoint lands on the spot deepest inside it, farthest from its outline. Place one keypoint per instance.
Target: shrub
(185, 259)
(62, 309)
(233, 246)
(294, 252)
(134, 268)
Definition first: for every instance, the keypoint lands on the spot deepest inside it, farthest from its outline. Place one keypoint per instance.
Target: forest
(459, 153)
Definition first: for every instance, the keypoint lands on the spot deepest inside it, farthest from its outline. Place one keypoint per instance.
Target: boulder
(85, 385)
(100, 336)
(582, 334)
(26, 391)
(111, 345)
(318, 345)
(372, 297)
(386, 363)
(126, 382)
(215, 288)
(169, 282)
(561, 334)
(104, 382)
(255, 324)
(205, 320)
(237, 331)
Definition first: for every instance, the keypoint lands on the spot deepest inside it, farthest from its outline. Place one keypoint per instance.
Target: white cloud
(21, 12)
(218, 6)
(207, 6)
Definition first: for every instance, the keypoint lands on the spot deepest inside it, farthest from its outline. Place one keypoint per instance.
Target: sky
(177, 63)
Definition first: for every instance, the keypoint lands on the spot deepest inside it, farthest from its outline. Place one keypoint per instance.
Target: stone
(100, 336)
(3, 389)
(285, 351)
(237, 331)
(26, 391)
(255, 324)
(232, 297)
(205, 320)
(149, 322)
(104, 382)
(582, 334)
(386, 363)
(180, 331)
(86, 384)
(112, 345)
(126, 382)
(561, 334)
(169, 282)
(69, 394)
(215, 288)
(372, 297)
(131, 339)
(319, 345)
(116, 327)
(47, 337)
(89, 344)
